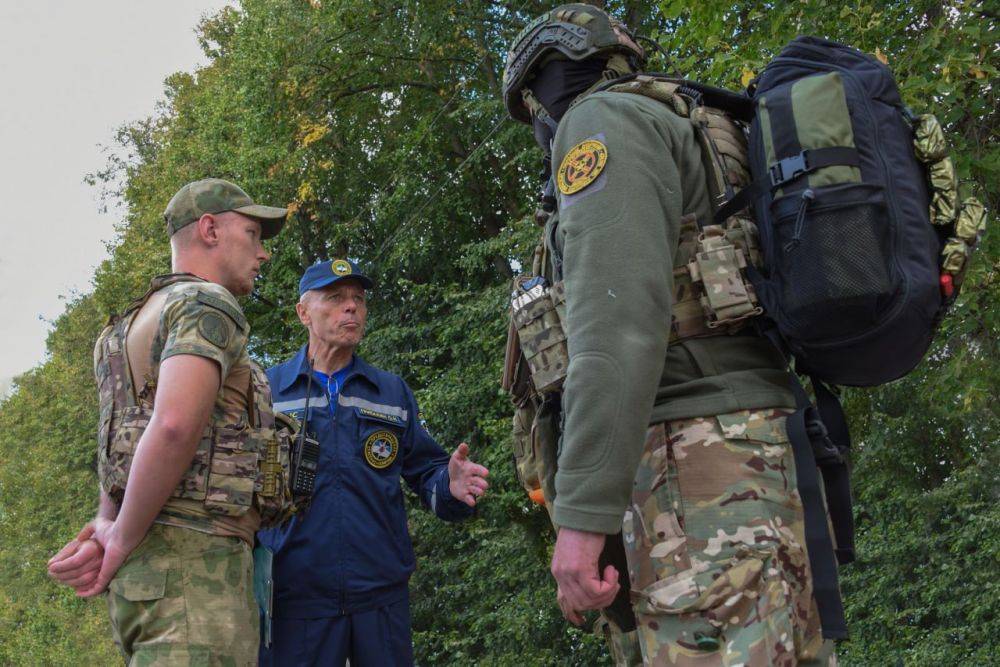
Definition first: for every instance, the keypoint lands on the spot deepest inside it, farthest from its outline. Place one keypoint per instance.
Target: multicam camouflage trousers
(716, 547)
(185, 598)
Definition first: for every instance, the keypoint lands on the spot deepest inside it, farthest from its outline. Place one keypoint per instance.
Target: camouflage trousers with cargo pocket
(715, 543)
(185, 597)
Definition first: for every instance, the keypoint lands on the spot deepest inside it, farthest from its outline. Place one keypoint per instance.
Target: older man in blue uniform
(340, 570)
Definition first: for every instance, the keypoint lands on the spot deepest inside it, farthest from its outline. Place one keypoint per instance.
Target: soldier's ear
(208, 229)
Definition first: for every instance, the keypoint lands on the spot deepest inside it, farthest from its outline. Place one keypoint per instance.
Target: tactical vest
(712, 294)
(236, 466)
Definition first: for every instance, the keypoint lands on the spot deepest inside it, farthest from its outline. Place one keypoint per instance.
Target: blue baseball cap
(326, 273)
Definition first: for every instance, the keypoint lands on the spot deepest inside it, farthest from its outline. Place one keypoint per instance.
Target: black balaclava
(559, 82)
(556, 85)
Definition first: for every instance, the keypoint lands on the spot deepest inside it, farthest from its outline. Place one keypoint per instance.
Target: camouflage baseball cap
(214, 195)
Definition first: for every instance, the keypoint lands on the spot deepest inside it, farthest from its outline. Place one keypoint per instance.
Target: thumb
(462, 452)
(611, 576)
(608, 583)
(86, 532)
(102, 581)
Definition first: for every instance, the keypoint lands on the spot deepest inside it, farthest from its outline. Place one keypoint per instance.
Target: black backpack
(864, 245)
(851, 274)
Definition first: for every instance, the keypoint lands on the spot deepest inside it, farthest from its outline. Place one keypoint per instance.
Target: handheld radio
(305, 458)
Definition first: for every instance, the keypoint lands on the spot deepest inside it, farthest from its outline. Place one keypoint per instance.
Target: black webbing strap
(814, 450)
(836, 475)
(787, 170)
(742, 199)
(822, 562)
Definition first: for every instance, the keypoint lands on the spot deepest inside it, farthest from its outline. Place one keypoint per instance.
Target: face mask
(544, 130)
(559, 82)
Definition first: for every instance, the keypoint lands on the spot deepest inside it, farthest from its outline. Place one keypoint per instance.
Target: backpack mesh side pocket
(832, 258)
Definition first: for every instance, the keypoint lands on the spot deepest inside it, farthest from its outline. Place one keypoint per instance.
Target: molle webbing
(712, 294)
(238, 464)
(115, 367)
(724, 153)
(116, 390)
(711, 298)
(538, 313)
(659, 89)
(723, 142)
(272, 492)
(260, 416)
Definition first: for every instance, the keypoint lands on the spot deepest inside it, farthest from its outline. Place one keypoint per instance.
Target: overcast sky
(70, 73)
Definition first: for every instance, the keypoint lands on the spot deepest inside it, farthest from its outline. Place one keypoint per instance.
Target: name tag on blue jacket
(376, 415)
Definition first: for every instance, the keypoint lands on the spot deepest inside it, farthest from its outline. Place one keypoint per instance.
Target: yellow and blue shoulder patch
(581, 166)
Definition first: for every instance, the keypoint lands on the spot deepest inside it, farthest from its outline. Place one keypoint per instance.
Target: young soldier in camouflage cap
(673, 439)
(214, 195)
(188, 460)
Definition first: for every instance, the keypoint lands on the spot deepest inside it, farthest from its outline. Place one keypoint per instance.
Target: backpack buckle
(788, 169)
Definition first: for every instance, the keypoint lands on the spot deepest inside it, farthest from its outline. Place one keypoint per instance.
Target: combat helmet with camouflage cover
(574, 31)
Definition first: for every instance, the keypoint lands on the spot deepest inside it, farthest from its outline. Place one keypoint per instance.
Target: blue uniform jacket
(350, 551)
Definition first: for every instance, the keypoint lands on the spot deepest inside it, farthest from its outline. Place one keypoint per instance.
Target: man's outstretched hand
(468, 479)
(575, 567)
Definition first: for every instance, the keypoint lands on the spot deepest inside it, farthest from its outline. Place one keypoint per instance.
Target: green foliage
(925, 480)
(381, 124)
(47, 492)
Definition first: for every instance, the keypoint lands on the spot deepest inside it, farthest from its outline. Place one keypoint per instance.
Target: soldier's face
(336, 314)
(242, 251)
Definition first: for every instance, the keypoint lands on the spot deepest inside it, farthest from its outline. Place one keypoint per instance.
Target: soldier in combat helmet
(189, 462)
(673, 442)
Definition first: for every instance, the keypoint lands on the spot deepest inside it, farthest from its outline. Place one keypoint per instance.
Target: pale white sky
(70, 72)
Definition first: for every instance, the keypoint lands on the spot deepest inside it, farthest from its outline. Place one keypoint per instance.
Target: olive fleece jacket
(618, 241)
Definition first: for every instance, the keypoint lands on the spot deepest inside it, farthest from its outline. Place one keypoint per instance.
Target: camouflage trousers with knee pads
(185, 598)
(715, 543)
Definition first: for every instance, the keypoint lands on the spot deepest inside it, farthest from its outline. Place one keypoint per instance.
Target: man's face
(335, 314)
(241, 251)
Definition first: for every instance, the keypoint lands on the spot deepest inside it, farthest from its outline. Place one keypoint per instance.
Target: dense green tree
(381, 124)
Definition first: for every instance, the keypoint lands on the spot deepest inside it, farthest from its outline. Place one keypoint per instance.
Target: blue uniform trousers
(376, 638)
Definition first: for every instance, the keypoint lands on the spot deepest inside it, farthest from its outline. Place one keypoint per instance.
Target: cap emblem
(341, 267)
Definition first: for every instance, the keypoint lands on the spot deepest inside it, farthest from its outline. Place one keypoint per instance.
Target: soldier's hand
(582, 585)
(467, 479)
(115, 554)
(78, 563)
